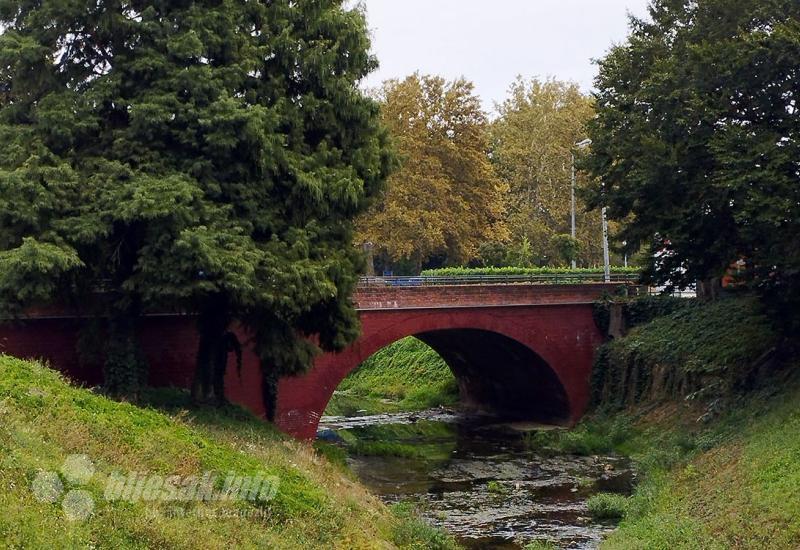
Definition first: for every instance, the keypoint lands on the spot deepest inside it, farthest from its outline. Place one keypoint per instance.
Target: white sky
(490, 42)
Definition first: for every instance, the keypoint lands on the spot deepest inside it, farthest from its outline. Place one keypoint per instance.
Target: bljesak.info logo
(69, 487)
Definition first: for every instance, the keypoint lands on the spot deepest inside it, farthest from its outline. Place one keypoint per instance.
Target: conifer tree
(200, 156)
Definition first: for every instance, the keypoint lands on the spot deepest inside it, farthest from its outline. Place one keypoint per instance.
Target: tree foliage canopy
(206, 156)
(533, 140)
(697, 139)
(445, 199)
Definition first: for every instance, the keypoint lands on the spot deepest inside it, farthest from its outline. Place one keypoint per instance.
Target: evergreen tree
(199, 156)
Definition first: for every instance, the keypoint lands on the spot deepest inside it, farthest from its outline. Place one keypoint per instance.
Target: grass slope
(43, 420)
(732, 485)
(712, 424)
(404, 376)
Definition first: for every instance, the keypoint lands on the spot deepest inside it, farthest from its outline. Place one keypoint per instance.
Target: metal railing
(552, 279)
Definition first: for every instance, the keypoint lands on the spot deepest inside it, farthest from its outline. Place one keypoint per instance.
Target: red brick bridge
(520, 350)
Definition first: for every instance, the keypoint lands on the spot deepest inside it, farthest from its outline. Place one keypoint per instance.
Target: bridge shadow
(500, 376)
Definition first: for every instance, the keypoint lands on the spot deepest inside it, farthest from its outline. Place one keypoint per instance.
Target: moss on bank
(44, 420)
(695, 351)
(405, 376)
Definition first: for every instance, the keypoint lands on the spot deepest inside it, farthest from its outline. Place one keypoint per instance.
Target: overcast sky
(490, 42)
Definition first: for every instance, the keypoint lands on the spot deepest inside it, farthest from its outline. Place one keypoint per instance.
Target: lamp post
(606, 263)
(580, 145)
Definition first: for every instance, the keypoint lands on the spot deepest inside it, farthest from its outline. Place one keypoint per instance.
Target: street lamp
(606, 261)
(580, 145)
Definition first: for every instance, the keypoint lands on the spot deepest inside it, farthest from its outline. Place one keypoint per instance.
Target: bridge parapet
(476, 295)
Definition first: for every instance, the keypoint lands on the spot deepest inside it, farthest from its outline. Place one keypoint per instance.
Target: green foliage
(408, 373)
(700, 351)
(205, 157)
(728, 484)
(699, 164)
(44, 420)
(385, 448)
(422, 440)
(567, 247)
(607, 506)
(540, 545)
(459, 271)
(636, 311)
(496, 487)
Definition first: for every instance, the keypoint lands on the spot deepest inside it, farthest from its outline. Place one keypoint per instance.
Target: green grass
(423, 440)
(604, 506)
(730, 479)
(596, 435)
(44, 420)
(414, 532)
(731, 485)
(405, 376)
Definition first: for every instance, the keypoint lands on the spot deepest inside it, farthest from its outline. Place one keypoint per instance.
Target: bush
(607, 506)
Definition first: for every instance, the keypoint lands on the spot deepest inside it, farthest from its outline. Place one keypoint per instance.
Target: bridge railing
(553, 279)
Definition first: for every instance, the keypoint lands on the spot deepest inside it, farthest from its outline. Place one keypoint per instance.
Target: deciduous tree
(697, 140)
(445, 199)
(533, 140)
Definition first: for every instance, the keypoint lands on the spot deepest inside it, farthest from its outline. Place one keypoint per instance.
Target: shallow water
(476, 479)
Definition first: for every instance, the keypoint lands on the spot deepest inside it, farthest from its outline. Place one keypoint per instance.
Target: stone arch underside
(526, 362)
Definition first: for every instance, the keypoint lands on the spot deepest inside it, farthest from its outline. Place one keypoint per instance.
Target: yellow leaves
(445, 199)
(533, 141)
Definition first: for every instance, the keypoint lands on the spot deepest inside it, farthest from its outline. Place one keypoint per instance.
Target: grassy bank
(405, 376)
(44, 421)
(705, 402)
(730, 485)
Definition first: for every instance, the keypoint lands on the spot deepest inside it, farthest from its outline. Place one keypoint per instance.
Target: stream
(477, 478)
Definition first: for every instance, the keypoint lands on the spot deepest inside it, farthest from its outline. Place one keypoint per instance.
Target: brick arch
(563, 337)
